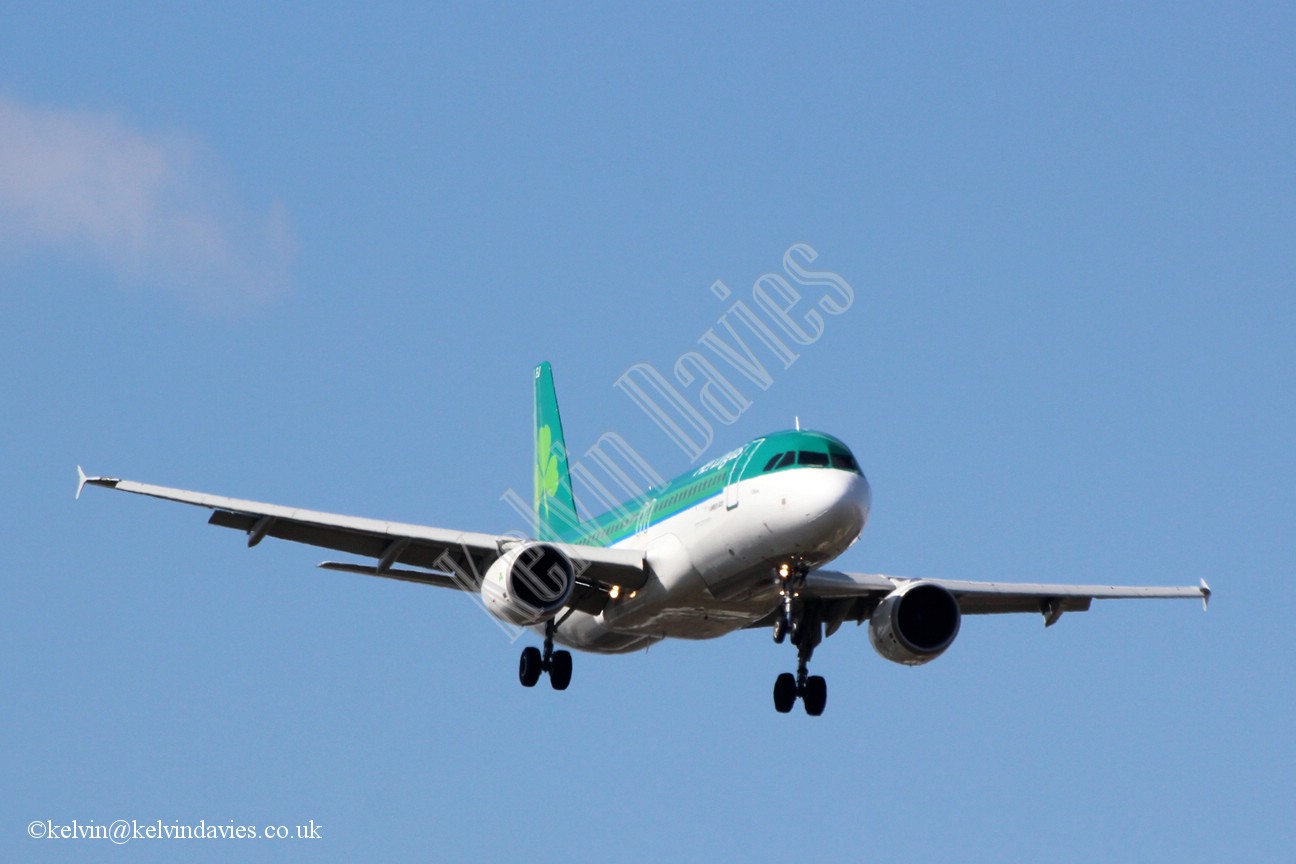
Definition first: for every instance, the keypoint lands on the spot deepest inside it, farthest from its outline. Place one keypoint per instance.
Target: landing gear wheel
(530, 666)
(560, 670)
(780, 629)
(815, 696)
(785, 692)
(803, 620)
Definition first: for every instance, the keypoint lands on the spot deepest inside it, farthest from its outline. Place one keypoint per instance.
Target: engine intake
(529, 584)
(915, 624)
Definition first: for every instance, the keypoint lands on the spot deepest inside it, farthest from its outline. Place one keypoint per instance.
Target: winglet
(1206, 595)
(83, 481)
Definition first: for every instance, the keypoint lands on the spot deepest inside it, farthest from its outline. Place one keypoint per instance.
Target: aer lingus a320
(743, 541)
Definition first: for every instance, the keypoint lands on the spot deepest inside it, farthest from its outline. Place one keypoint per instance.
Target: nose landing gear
(811, 689)
(804, 623)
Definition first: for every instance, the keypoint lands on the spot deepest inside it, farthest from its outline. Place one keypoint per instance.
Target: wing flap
(588, 596)
(465, 556)
(997, 604)
(400, 574)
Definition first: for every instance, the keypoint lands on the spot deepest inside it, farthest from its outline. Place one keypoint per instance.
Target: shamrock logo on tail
(546, 479)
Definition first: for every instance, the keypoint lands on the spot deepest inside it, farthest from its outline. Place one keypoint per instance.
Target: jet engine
(528, 584)
(915, 623)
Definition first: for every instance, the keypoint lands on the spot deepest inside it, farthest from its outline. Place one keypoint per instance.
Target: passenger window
(812, 457)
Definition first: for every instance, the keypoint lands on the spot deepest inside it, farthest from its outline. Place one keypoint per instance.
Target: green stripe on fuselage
(706, 482)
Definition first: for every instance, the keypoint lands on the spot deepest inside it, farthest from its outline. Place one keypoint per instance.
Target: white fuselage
(712, 567)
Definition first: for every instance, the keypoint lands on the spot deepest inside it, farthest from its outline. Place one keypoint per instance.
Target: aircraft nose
(863, 498)
(843, 498)
(857, 499)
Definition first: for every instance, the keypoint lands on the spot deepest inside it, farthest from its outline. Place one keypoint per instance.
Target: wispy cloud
(150, 207)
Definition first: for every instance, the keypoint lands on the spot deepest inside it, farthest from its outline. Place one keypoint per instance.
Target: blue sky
(310, 257)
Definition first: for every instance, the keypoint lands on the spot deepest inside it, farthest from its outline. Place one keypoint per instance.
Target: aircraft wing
(446, 558)
(854, 594)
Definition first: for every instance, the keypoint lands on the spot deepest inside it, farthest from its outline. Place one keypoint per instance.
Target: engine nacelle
(915, 624)
(528, 584)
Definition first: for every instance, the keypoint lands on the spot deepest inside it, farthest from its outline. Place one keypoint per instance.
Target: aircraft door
(736, 472)
(645, 516)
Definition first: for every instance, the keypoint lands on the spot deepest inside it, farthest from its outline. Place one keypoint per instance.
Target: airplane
(740, 542)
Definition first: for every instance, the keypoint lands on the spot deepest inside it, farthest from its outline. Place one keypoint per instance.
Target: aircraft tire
(816, 695)
(530, 666)
(784, 692)
(560, 670)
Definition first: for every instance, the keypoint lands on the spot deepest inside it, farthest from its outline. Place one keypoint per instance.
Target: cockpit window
(837, 457)
(844, 461)
(781, 460)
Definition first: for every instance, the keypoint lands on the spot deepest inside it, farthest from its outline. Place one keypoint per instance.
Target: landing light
(784, 570)
(614, 592)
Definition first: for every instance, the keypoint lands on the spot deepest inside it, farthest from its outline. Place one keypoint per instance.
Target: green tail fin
(555, 506)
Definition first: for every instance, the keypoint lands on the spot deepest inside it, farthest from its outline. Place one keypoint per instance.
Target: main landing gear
(803, 622)
(557, 663)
